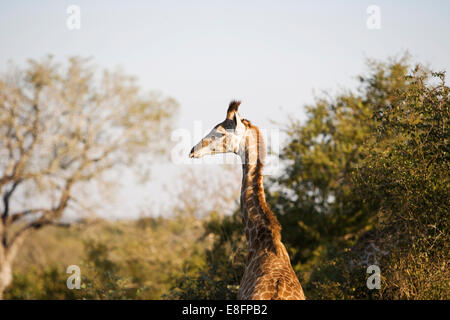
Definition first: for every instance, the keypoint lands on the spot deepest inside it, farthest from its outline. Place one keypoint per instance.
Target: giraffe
(268, 272)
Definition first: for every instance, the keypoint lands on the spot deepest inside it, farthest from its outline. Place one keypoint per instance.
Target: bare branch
(19, 215)
(6, 198)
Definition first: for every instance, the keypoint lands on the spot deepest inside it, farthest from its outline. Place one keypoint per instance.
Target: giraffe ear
(232, 109)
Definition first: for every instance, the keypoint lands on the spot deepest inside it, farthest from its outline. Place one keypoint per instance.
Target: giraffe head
(225, 137)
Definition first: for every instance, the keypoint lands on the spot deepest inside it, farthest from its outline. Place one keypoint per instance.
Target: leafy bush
(220, 275)
(378, 161)
(118, 260)
(405, 177)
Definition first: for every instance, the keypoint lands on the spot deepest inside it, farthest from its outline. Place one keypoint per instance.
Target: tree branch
(19, 215)
(6, 198)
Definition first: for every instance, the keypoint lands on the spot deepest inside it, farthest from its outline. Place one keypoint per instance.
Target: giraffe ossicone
(268, 271)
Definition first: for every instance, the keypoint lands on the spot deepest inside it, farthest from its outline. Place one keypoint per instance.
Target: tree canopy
(62, 128)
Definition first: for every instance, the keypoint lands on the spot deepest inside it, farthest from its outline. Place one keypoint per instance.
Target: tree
(315, 196)
(404, 177)
(61, 129)
(368, 167)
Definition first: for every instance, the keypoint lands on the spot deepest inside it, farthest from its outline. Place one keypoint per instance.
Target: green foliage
(405, 175)
(220, 276)
(118, 260)
(315, 196)
(102, 279)
(376, 160)
(49, 283)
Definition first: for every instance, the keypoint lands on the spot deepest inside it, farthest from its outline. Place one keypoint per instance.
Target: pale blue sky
(269, 54)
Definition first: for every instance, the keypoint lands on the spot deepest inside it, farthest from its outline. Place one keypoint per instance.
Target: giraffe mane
(271, 221)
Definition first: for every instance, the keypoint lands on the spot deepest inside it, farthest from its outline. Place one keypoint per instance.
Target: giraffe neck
(261, 227)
